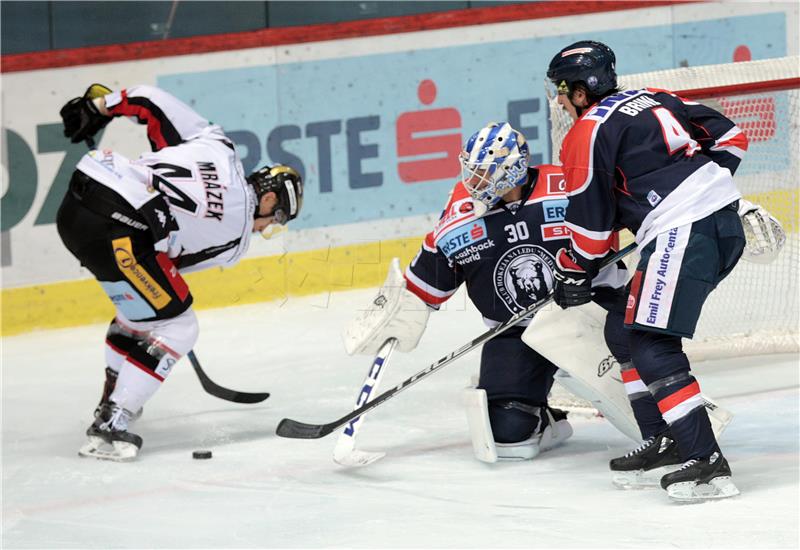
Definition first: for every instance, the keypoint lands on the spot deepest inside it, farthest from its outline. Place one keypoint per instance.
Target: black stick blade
(212, 388)
(300, 430)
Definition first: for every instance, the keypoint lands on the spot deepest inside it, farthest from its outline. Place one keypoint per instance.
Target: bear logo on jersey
(523, 276)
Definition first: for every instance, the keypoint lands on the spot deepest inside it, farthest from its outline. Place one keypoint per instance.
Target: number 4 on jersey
(675, 136)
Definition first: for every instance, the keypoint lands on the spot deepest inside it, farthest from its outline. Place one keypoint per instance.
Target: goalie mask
(287, 185)
(493, 162)
(587, 62)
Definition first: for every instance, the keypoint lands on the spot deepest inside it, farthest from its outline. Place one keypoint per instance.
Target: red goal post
(756, 310)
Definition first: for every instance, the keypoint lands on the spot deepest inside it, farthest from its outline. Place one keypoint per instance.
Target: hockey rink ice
(260, 490)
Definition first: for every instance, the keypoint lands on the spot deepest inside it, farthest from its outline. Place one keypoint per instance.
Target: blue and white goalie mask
(494, 161)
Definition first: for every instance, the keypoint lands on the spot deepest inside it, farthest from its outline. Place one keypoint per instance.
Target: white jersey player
(137, 225)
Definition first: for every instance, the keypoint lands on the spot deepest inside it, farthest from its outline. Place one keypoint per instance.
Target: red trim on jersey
(630, 375)
(316, 33)
(624, 188)
(143, 113)
(576, 154)
(141, 367)
(173, 276)
(116, 349)
(595, 247)
(739, 141)
(679, 397)
(633, 297)
(424, 296)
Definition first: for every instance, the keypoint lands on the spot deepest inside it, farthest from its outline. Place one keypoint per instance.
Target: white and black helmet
(287, 185)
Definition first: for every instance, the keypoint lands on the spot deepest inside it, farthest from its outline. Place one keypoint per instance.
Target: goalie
(498, 234)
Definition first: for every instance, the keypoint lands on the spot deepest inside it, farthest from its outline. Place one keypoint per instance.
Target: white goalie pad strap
(393, 313)
(765, 235)
(573, 340)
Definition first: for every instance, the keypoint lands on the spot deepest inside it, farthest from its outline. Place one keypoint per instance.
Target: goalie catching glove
(393, 313)
(82, 117)
(765, 235)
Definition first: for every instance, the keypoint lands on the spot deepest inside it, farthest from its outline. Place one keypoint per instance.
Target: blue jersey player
(662, 167)
(498, 234)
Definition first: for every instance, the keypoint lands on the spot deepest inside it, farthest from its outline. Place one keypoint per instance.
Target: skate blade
(119, 451)
(357, 458)
(691, 491)
(641, 479)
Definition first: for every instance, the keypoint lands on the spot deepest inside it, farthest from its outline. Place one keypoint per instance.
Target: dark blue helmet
(588, 62)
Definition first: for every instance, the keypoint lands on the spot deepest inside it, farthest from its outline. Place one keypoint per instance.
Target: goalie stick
(218, 391)
(345, 452)
(301, 430)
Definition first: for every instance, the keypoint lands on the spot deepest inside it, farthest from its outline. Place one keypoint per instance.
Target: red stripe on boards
(135, 51)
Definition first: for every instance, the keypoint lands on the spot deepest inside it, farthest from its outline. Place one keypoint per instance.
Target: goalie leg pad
(485, 447)
(573, 339)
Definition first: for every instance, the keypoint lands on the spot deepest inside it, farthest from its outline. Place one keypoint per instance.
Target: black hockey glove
(81, 117)
(573, 286)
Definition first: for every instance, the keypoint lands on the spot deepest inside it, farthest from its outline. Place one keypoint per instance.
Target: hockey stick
(300, 430)
(220, 392)
(345, 452)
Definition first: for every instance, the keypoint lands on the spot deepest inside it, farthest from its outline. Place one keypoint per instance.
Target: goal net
(755, 310)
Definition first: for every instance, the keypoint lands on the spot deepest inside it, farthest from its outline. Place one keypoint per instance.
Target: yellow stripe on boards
(73, 303)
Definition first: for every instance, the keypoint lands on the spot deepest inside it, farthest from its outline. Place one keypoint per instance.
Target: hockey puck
(201, 455)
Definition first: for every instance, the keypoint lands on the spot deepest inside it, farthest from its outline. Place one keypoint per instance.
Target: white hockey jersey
(193, 165)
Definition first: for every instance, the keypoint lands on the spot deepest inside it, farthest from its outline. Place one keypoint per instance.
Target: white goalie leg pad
(480, 430)
(393, 313)
(483, 444)
(573, 340)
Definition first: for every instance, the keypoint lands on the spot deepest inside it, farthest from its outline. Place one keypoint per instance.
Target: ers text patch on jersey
(462, 237)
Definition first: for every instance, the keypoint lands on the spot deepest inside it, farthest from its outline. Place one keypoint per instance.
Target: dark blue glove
(573, 286)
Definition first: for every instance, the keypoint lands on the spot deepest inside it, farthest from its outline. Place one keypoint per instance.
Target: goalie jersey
(506, 257)
(193, 166)
(646, 160)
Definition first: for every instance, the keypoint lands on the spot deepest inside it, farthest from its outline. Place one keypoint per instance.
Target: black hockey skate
(700, 479)
(108, 436)
(646, 464)
(108, 389)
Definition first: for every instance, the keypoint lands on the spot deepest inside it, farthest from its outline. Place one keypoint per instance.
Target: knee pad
(159, 344)
(657, 355)
(512, 421)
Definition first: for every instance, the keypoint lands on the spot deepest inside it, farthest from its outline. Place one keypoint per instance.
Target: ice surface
(263, 491)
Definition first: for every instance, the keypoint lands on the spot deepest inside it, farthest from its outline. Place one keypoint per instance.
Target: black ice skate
(108, 389)
(108, 436)
(700, 479)
(646, 464)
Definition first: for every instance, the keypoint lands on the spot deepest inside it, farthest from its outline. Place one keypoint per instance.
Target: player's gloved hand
(765, 235)
(82, 117)
(573, 286)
